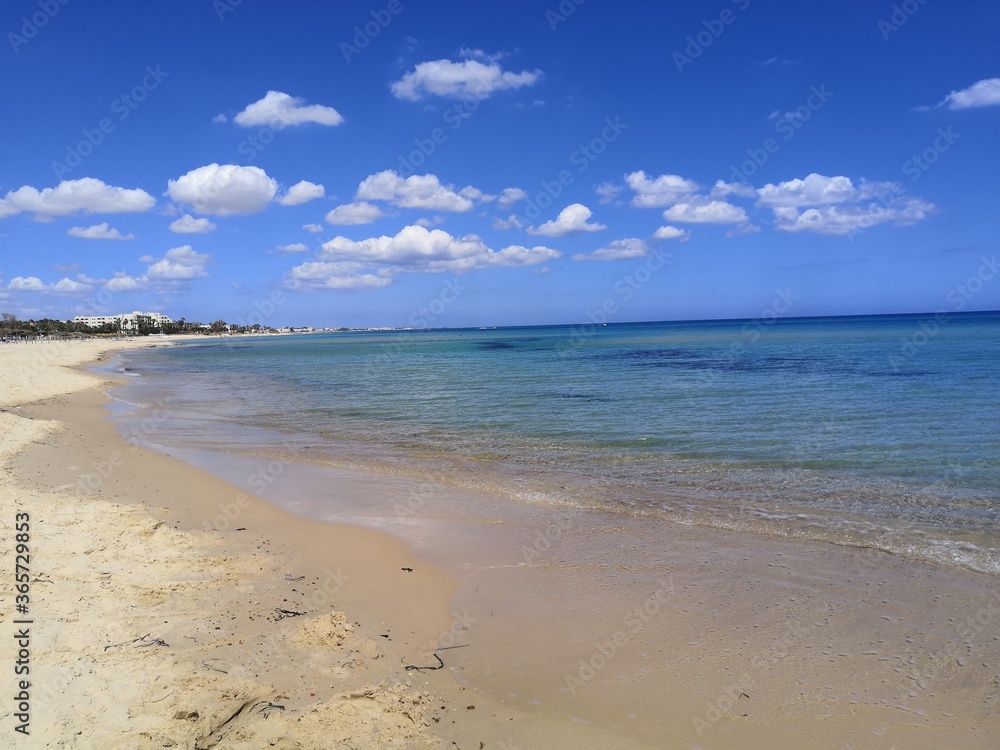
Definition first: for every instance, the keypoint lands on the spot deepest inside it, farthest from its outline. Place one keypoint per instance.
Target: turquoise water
(879, 431)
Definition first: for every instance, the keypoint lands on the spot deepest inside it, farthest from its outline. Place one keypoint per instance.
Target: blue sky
(408, 163)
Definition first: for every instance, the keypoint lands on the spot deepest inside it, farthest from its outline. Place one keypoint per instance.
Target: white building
(127, 321)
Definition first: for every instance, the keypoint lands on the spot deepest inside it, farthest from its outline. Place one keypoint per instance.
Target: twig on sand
(215, 669)
(283, 613)
(142, 642)
(414, 667)
(266, 706)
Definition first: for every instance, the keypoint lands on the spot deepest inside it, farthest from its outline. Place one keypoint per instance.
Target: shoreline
(151, 632)
(748, 643)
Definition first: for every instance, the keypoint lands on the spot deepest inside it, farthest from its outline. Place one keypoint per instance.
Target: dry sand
(156, 588)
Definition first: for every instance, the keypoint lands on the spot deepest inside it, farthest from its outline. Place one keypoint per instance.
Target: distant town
(135, 323)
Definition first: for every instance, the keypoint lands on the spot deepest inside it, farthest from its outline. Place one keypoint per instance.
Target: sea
(880, 432)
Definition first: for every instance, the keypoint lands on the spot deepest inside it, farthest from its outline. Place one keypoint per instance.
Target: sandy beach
(148, 631)
(170, 608)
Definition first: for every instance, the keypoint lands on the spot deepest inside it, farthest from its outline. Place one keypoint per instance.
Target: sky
(447, 164)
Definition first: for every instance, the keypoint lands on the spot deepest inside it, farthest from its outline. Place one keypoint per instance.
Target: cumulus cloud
(26, 284)
(313, 228)
(665, 190)
(224, 190)
(571, 220)
(99, 232)
(297, 247)
(617, 250)
(64, 286)
(302, 192)
(187, 224)
(699, 210)
(423, 191)
(984, 93)
(510, 196)
(430, 222)
(333, 275)
(360, 212)
(69, 287)
(511, 222)
(278, 110)
(86, 196)
(837, 206)
(608, 192)
(179, 264)
(122, 282)
(343, 263)
(722, 190)
(849, 219)
(672, 233)
(814, 190)
(469, 80)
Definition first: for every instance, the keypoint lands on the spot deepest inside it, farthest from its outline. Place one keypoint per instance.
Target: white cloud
(86, 195)
(70, 287)
(224, 190)
(510, 196)
(423, 191)
(842, 220)
(99, 232)
(125, 283)
(220, 118)
(26, 284)
(297, 247)
(313, 228)
(672, 233)
(699, 210)
(511, 222)
(571, 220)
(518, 255)
(346, 263)
(836, 206)
(665, 190)
(608, 192)
(302, 192)
(814, 190)
(431, 222)
(333, 275)
(984, 93)
(476, 195)
(179, 264)
(617, 250)
(187, 224)
(468, 79)
(278, 110)
(723, 189)
(360, 212)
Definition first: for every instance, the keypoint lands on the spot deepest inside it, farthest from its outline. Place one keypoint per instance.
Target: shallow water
(878, 432)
